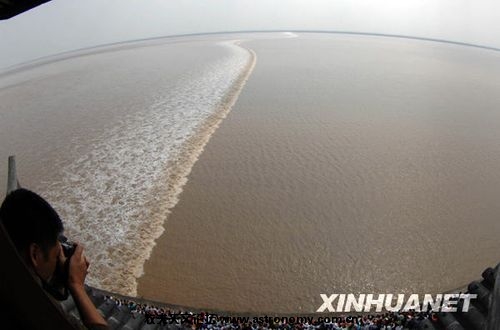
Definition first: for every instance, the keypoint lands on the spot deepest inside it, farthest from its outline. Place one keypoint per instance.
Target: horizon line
(77, 52)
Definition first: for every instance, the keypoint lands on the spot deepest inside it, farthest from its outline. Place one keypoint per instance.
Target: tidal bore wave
(117, 197)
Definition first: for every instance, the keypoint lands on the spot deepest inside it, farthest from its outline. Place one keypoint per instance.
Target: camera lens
(68, 247)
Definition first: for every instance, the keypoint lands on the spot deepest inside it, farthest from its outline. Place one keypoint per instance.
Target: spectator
(34, 228)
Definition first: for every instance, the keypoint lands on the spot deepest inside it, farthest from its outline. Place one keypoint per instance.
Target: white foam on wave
(116, 198)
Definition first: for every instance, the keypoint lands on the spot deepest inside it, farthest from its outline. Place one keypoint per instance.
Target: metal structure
(12, 182)
(11, 8)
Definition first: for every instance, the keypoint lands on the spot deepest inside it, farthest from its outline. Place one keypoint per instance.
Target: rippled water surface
(109, 138)
(347, 164)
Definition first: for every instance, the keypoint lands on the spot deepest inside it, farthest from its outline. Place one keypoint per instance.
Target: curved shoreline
(129, 44)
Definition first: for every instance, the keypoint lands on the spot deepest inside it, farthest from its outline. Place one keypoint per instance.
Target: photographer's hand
(78, 266)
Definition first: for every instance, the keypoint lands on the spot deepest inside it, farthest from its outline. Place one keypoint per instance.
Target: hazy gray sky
(64, 25)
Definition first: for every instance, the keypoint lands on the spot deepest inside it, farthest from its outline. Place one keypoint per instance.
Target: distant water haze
(346, 164)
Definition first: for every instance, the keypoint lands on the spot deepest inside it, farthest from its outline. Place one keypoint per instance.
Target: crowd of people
(167, 317)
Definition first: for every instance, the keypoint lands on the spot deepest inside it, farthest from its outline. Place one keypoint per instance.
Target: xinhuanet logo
(451, 302)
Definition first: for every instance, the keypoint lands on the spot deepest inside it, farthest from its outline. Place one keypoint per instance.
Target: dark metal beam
(11, 8)
(494, 313)
(12, 182)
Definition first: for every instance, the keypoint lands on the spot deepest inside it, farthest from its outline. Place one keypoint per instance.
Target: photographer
(35, 229)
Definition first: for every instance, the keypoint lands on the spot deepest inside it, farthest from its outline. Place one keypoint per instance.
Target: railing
(493, 321)
(494, 311)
